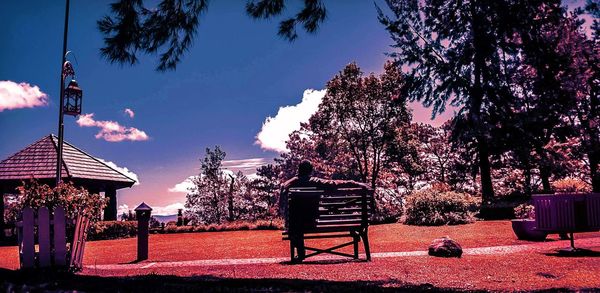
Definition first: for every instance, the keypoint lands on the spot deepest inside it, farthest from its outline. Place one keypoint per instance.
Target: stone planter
(525, 230)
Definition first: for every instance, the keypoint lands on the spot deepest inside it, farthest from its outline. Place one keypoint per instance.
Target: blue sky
(237, 74)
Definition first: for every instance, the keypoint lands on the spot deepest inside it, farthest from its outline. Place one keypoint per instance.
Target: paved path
(532, 247)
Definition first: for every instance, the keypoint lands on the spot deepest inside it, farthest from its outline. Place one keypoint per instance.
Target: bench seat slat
(347, 208)
(349, 197)
(340, 216)
(339, 222)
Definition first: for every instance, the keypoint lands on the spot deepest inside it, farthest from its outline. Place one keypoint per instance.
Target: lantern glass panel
(72, 97)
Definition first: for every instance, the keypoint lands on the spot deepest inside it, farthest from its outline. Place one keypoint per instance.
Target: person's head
(305, 169)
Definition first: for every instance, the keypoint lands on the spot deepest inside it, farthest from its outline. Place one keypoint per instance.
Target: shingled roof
(38, 160)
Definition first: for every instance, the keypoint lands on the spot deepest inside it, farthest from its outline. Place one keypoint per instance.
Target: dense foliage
(74, 200)
(105, 230)
(220, 196)
(434, 207)
(522, 76)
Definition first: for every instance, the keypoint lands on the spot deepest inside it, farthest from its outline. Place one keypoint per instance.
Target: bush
(74, 200)
(112, 230)
(571, 185)
(525, 211)
(434, 207)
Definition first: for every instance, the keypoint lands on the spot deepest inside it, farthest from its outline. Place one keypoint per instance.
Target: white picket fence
(49, 235)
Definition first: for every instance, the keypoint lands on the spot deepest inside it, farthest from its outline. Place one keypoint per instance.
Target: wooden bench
(47, 229)
(339, 213)
(567, 213)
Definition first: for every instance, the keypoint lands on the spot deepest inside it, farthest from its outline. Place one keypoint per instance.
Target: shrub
(275, 224)
(184, 229)
(525, 211)
(171, 228)
(434, 207)
(112, 230)
(570, 185)
(74, 200)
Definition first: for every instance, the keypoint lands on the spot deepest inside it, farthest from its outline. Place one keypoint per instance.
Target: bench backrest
(312, 209)
(567, 212)
(593, 210)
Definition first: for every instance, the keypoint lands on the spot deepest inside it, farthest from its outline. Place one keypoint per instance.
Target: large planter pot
(525, 230)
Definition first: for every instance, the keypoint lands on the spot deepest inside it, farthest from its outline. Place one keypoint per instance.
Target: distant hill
(165, 219)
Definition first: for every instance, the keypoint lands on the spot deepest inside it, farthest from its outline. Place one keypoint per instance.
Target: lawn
(537, 267)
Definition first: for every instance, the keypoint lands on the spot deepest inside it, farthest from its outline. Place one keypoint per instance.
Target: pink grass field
(522, 266)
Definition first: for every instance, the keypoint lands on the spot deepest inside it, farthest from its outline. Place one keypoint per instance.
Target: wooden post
(27, 244)
(44, 237)
(110, 212)
(143, 213)
(60, 242)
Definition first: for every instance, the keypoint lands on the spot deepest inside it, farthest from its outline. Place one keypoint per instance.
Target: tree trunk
(230, 200)
(594, 159)
(487, 189)
(476, 100)
(545, 181)
(528, 188)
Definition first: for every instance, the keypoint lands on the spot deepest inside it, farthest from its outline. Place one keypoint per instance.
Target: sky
(240, 86)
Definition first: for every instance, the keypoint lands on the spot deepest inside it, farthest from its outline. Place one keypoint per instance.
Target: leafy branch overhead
(169, 29)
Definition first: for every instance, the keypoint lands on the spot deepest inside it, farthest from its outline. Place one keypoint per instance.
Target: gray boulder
(445, 247)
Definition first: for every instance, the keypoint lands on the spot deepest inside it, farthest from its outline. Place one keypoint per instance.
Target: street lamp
(72, 95)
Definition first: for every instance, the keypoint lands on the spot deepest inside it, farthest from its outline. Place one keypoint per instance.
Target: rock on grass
(445, 247)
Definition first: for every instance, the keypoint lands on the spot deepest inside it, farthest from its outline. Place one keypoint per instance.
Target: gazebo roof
(38, 160)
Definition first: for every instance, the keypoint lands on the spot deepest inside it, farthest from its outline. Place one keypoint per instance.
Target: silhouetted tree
(361, 114)
(169, 28)
(266, 186)
(206, 202)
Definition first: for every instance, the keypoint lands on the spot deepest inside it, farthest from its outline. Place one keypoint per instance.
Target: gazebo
(38, 161)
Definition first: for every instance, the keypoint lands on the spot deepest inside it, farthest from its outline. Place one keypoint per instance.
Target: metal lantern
(73, 95)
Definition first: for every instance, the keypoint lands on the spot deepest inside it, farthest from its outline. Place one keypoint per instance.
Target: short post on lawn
(143, 212)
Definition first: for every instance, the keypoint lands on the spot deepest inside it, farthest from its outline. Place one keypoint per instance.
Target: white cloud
(122, 209)
(123, 170)
(20, 95)
(247, 166)
(156, 210)
(184, 186)
(167, 210)
(110, 130)
(276, 130)
(188, 185)
(252, 176)
(129, 112)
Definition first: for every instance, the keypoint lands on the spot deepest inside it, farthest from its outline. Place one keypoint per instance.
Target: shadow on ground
(16, 281)
(579, 252)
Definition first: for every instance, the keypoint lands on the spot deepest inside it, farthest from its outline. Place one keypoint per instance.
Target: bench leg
(356, 239)
(572, 241)
(291, 250)
(365, 238)
(297, 242)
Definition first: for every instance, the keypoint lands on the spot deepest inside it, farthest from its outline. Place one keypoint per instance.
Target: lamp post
(72, 95)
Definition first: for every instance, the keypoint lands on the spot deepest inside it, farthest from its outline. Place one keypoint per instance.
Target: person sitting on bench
(304, 179)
